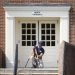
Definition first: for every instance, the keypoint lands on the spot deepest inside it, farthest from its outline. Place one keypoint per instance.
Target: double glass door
(32, 31)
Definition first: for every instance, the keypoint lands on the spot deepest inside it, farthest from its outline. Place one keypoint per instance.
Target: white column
(64, 29)
(10, 41)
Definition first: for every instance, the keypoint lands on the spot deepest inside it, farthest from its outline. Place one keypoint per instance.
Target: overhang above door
(37, 10)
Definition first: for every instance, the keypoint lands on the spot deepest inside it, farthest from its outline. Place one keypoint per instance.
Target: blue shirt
(39, 50)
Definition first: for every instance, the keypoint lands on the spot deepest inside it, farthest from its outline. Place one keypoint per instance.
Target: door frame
(61, 12)
(38, 33)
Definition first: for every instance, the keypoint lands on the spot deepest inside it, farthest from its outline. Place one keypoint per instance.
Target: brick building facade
(10, 2)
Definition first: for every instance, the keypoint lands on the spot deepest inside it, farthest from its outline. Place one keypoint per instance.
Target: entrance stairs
(30, 71)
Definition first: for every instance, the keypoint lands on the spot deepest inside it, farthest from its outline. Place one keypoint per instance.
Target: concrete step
(30, 71)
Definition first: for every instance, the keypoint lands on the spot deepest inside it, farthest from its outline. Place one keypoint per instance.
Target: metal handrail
(16, 61)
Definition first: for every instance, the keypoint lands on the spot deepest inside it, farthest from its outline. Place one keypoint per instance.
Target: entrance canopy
(37, 10)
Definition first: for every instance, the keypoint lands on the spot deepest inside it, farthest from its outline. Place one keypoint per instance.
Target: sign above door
(37, 13)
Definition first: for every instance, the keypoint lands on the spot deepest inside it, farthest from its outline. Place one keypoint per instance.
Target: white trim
(43, 8)
(43, 11)
(11, 12)
(10, 41)
(64, 29)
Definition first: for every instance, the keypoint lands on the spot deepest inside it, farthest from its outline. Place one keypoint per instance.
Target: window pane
(47, 31)
(28, 25)
(23, 25)
(23, 31)
(33, 37)
(52, 43)
(47, 25)
(33, 43)
(53, 37)
(28, 43)
(43, 31)
(33, 31)
(52, 25)
(23, 43)
(28, 31)
(48, 37)
(52, 31)
(28, 37)
(43, 43)
(23, 37)
(48, 43)
(33, 25)
(43, 38)
(42, 25)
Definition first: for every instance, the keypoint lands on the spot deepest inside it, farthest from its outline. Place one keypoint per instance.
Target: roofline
(40, 6)
(37, 4)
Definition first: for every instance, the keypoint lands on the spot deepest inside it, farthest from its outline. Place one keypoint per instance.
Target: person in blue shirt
(38, 52)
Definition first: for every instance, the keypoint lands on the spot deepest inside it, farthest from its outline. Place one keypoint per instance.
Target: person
(38, 52)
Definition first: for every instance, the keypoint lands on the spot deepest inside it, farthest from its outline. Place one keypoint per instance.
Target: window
(28, 33)
(48, 34)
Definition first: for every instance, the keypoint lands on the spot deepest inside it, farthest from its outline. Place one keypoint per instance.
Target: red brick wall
(2, 17)
(2, 34)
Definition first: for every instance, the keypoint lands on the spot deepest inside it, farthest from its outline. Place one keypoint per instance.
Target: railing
(16, 61)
